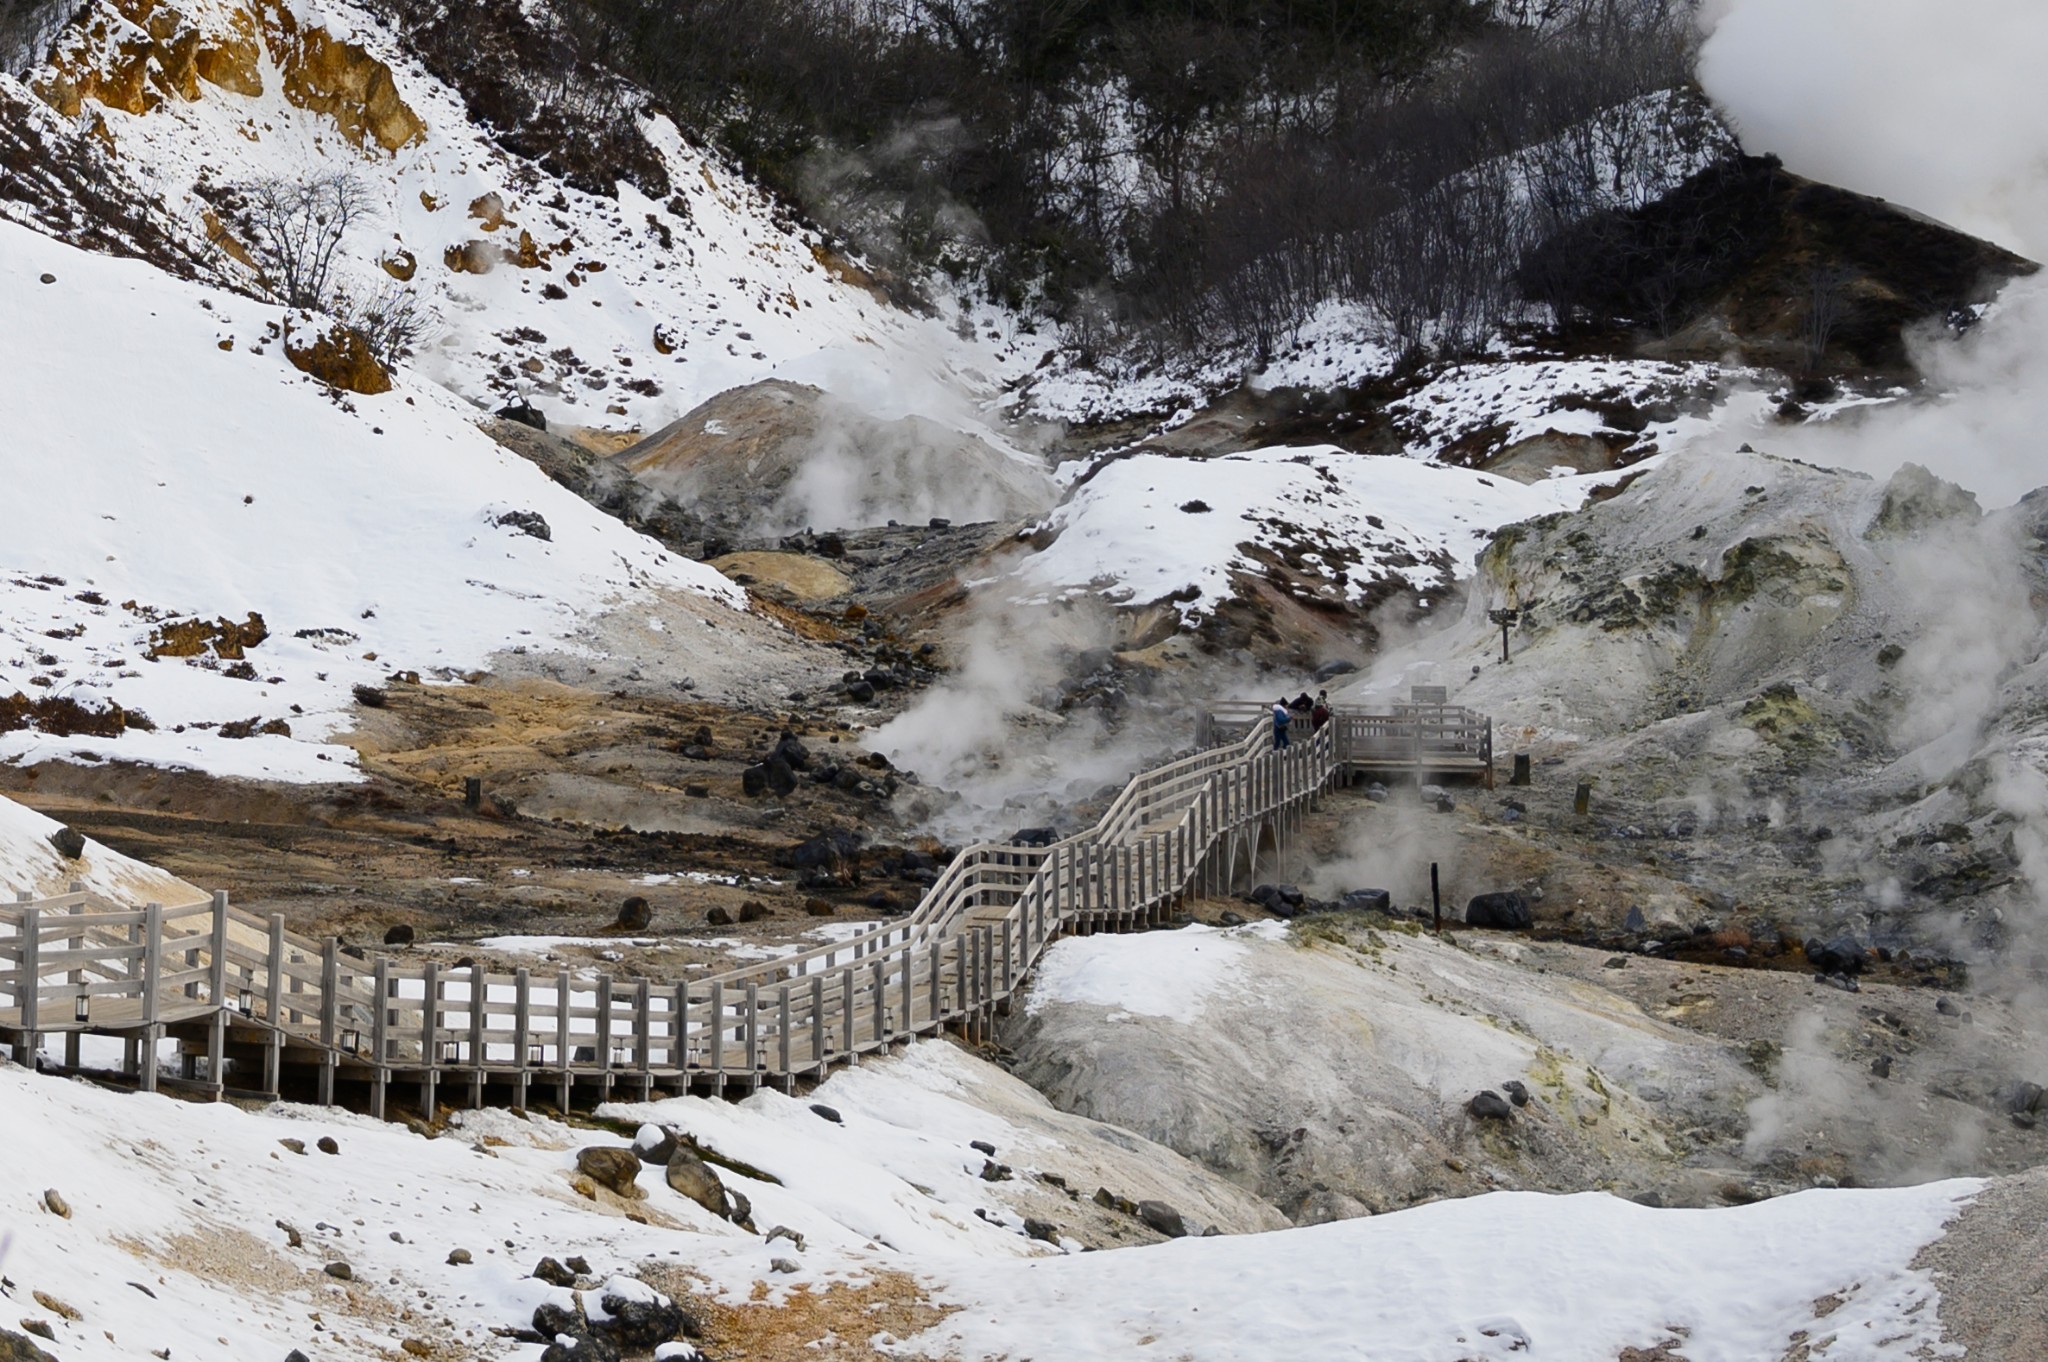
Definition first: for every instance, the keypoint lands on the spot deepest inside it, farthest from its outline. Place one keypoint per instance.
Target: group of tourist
(1286, 712)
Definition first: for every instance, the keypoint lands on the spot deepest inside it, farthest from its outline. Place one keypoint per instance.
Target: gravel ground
(1992, 1267)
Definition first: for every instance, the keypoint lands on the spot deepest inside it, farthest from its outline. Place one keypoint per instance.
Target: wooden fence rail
(249, 1000)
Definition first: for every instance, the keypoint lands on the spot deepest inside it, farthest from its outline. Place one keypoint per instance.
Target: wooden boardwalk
(254, 1006)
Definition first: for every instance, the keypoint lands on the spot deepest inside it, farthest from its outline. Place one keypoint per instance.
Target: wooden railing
(233, 985)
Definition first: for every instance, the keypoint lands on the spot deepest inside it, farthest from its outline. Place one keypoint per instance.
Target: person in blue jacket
(1280, 721)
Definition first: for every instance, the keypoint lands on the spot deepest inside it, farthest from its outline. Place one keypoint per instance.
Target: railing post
(217, 989)
(679, 1049)
(31, 986)
(643, 1039)
(565, 1052)
(880, 993)
(782, 1032)
(77, 979)
(430, 1043)
(380, 1034)
(846, 1003)
(330, 1016)
(522, 1027)
(479, 998)
(818, 1021)
(755, 1062)
(718, 1035)
(604, 1033)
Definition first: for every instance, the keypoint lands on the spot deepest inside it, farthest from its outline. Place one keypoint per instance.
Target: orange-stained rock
(529, 255)
(232, 60)
(488, 209)
(471, 257)
(400, 265)
(340, 358)
(340, 79)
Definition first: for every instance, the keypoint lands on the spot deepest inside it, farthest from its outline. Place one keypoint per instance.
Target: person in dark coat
(1281, 719)
(1320, 715)
(1301, 704)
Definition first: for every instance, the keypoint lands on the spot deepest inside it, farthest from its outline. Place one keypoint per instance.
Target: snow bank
(29, 864)
(1146, 527)
(170, 463)
(1510, 1275)
(1153, 974)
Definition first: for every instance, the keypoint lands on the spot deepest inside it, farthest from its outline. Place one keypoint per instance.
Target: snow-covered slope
(177, 1239)
(614, 309)
(1153, 526)
(166, 462)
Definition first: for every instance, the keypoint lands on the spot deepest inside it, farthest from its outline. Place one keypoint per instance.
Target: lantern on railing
(352, 1041)
(246, 1004)
(537, 1055)
(84, 1009)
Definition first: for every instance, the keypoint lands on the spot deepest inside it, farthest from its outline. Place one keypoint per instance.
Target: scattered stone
(753, 910)
(640, 1321)
(634, 915)
(615, 1169)
(1516, 1091)
(829, 1113)
(459, 1258)
(70, 843)
(817, 907)
(340, 1271)
(55, 1306)
(1616, 962)
(1366, 901)
(982, 1147)
(1635, 924)
(552, 1272)
(292, 1237)
(1844, 955)
(1042, 1230)
(696, 1180)
(578, 1265)
(1882, 1066)
(327, 1145)
(414, 1347)
(1490, 1106)
(655, 1145)
(555, 1321)
(526, 522)
(400, 934)
(2017, 1097)
(55, 1204)
(40, 1328)
(717, 917)
(991, 1171)
(783, 1265)
(785, 1232)
(1228, 918)
(1159, 1216)
(1947, 1007)
(1507, 911)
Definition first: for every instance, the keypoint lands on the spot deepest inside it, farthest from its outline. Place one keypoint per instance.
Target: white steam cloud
(1941, 108)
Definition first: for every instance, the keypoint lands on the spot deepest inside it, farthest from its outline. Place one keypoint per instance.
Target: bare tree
(1823, 310)
(296, 226)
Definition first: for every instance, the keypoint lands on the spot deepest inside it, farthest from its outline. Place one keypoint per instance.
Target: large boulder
(1507, 911)
(697, 1180)
(613, 1168)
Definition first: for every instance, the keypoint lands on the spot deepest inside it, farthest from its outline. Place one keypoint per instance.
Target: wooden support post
(604, 1035)
(330, 1017)
(565, 1053)
(679, 1048)
(932, 966)
(380, 1034)
(755, 1062)
(273, 1002)
(880, 993)
(522, 1030)
(818, 1047)
(1521, 772)
(29, 990)
(846, 1002)
(479, 999)
(77, 980)
(430, 1045)
(782, 1057)
(643, 1035)
(718, 1025)
(217, 994)
(907, 1023)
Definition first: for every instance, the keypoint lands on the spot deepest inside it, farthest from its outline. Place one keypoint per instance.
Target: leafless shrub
(296, 226)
